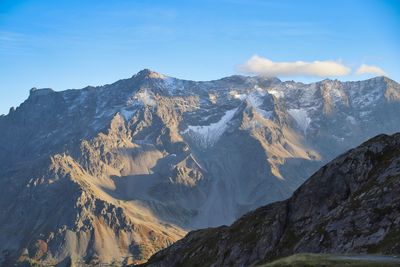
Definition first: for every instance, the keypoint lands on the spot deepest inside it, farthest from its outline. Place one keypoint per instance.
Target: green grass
(320, 260)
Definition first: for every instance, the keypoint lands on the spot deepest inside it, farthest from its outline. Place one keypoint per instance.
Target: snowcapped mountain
(117, 172)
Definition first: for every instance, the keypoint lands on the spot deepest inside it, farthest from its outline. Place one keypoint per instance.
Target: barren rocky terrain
(117, 172)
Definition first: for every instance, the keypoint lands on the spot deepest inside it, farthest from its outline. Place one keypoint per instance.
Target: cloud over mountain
(369, 69)
(266, 67)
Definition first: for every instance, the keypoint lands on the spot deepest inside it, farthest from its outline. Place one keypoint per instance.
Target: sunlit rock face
(117, 172)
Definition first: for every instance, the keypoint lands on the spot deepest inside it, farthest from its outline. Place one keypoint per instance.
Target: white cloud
(266, 67)
(368, 69)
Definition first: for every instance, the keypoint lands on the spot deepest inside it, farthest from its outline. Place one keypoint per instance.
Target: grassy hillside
(314, 260)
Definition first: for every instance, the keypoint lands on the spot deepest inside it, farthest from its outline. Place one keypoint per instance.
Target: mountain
(351, 205)
(117, 172)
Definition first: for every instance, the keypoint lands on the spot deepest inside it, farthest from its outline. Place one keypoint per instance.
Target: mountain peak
(40, 91)
(149, 74)
(379, 79)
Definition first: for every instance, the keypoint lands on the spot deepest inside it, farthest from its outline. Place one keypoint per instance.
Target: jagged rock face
(351, 205)
(139, 162)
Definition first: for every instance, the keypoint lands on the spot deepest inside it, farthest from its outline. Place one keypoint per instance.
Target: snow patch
(172, 85)
(255, 99)
(301, 118)
(368, 99)
(146, 98)
(236, 95)
(208, 135)
(277, 94)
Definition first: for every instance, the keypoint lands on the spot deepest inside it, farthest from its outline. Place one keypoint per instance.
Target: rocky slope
(351, 205)
(116, 172)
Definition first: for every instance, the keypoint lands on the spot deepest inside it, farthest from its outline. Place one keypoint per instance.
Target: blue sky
(71, 44)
